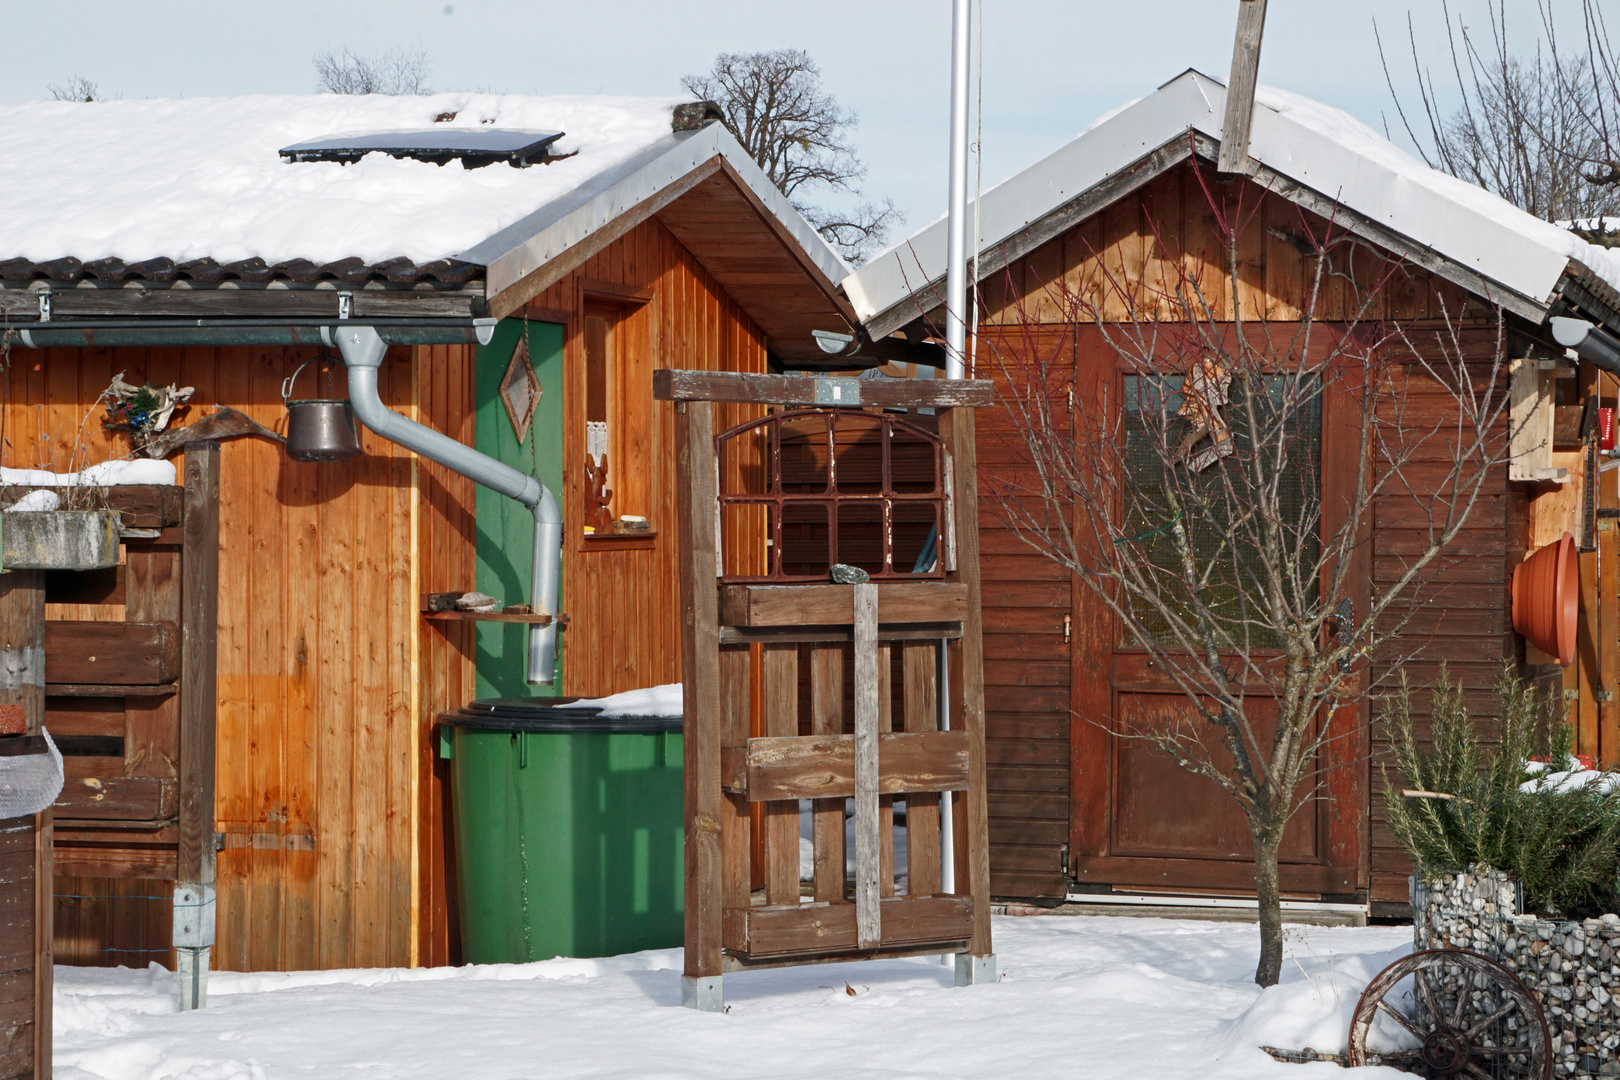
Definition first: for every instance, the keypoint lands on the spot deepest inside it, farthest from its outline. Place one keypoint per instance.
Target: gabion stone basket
(1573, 965)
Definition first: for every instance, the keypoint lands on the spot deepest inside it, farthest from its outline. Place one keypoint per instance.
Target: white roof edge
(535, 240)
(1464, 234)
(891, 278)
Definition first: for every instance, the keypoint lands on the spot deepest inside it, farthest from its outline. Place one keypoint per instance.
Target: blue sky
(1048, 67)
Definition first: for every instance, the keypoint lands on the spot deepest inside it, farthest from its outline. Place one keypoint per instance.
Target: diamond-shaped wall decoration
(520, 390)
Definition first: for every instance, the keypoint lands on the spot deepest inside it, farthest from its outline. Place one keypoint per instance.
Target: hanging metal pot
(319, 429)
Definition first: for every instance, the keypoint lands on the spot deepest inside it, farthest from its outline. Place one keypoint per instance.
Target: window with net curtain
(1153, 404)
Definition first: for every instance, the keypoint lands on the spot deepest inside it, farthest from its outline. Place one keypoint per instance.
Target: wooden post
(199, 600)
(26, 875)
(696, 474)
(868, 916)
(1240, 86)
(956, 428)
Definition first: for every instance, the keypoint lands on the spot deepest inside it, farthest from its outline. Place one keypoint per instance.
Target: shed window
(617, 463)
(1154, 407)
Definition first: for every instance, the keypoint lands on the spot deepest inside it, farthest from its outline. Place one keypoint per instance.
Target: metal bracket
(975, 970)
(704, 993)
(345, 305)
(45, 305)
(843, 392)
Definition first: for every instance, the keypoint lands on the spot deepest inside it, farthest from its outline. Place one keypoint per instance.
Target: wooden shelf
(492, 616)
(106, 690)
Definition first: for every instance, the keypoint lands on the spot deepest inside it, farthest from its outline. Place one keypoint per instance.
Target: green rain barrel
(568, 830)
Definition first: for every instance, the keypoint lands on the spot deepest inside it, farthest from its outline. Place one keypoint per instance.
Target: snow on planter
(1572, 965)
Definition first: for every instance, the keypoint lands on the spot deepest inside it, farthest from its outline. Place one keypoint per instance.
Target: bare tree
(77, 88)
(1536, 125)
(1192, 505)
(800, 135)
(395, 72)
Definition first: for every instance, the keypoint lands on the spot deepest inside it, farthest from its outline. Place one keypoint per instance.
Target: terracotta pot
(1546, 598)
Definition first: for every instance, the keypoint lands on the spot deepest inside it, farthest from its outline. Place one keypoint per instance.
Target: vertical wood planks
(827, 718)
(922, 808)
(885, 802)
(700, 676)
(736, 834)
(868, 916)
(781, 700)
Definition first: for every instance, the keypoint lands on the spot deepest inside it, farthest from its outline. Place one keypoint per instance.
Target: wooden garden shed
(531, 261)
(1124, 211)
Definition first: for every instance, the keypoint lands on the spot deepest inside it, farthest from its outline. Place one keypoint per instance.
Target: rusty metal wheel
(1451, 1013)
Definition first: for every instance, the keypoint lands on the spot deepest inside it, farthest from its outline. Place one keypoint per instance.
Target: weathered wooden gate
(822, 482)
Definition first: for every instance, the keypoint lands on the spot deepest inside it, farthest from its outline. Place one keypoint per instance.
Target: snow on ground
(1097, 997)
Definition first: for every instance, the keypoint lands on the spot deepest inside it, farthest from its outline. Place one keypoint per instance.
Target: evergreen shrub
(1560, 842)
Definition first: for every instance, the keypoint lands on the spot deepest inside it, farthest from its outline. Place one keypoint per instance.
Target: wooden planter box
(59, 540)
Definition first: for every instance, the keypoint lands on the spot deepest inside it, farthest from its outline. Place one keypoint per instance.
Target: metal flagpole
(956, 285)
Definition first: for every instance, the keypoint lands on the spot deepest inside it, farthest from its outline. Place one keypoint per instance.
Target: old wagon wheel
(1451, 1013)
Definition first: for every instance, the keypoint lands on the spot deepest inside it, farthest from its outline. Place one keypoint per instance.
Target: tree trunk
(1266, 843)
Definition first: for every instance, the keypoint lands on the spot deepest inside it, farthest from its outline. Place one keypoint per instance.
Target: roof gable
(1315, 155)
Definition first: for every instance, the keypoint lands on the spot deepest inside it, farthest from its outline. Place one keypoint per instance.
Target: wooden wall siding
(1026, 682)
(621, 595)
(1142, 248)
(321, 721)
(1134, 254)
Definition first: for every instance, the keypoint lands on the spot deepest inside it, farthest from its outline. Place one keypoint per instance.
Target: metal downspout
(363, 350)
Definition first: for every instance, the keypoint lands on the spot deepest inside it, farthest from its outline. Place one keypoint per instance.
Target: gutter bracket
(45, 305)
(345, 305)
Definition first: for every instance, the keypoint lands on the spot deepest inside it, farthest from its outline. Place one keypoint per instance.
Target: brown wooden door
(1140, 822)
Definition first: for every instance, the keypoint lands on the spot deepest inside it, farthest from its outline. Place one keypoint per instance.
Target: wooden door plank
(885, 801)
(824, 766)
(827, 719)
(818, 605)
(736, 814)
(922, 808)
(781, 702)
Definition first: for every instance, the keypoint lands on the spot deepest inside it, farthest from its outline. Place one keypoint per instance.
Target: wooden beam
(823, 766)
(696, 475)
(971, 814)
(1251, 26)
(673, 385)
(199, 602)
(832, 927)
(834, 605)
(117, 653)
(868, 915)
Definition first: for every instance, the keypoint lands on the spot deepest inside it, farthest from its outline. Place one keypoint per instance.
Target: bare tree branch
(801, 137)
(396, 72)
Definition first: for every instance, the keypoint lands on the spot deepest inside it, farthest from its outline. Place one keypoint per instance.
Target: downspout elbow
(363, 350)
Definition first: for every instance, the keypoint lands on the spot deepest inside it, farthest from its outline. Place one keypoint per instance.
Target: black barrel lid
(552, 715)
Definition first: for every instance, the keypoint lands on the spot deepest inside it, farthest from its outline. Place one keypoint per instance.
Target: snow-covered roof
(1518, 258)
(199, 180)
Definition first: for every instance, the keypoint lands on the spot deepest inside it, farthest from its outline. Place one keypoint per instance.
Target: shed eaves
(1315, 146)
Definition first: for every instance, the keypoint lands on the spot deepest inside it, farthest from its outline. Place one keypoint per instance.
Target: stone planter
(1572, 965)
(59, 540)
